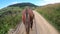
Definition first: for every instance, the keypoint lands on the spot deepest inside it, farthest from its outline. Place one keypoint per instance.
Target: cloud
(45, 2)
(52, 1)
(14, 2)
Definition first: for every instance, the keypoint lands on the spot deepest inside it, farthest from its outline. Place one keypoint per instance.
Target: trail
(40, 26)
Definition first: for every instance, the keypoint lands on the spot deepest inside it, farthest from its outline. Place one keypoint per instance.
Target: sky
(5, 3)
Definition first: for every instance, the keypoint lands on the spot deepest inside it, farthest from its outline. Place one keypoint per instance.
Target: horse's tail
(27, 22)
(26, 14)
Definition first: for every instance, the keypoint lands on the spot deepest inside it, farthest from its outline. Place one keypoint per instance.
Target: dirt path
(40, 26)
(43, 27)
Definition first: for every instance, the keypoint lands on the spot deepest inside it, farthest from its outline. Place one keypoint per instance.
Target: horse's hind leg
(31, 24)
(31, 20)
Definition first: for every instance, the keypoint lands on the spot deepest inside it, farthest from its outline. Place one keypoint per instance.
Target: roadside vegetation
(9, 18)
(51, 13)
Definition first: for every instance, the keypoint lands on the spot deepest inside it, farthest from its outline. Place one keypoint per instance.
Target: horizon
(5, 3)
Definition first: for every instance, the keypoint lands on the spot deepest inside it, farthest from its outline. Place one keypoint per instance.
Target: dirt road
(40, 26)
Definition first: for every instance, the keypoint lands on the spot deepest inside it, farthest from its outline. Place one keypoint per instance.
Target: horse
(27, 18)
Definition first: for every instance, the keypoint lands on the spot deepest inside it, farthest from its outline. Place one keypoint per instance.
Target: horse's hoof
(31, 29)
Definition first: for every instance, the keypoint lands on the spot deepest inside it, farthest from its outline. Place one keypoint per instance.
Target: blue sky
(4, 3)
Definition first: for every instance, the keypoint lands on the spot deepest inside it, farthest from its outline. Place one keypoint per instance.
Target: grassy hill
(52, 13)
(10, 16)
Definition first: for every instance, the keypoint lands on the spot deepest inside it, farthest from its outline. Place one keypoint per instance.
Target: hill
(23, 5)
(52, 13)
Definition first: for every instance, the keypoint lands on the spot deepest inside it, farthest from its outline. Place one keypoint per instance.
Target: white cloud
(14, 2)
(45, 2)
(52, 1)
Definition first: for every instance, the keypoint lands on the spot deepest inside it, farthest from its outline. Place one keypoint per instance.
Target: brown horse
(27, 18)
